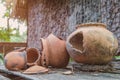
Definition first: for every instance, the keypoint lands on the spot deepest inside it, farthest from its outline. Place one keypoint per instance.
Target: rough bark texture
(45, 17)
(61, 16)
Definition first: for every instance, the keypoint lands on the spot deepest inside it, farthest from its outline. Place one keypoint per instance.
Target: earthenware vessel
(33, 56)
(54, 52)
(92, 43)
(15, 60)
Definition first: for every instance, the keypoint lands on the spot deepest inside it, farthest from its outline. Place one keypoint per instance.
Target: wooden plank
(6, 47)
(15, 44)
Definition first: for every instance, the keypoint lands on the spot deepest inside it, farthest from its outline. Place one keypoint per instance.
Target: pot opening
(77, 41)
(32, 55)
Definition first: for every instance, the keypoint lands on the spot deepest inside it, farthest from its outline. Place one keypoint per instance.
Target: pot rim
(96, 24)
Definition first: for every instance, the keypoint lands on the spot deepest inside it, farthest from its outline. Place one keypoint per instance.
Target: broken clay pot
(54, 52)
(15, 61)
(33, 56)
(36, 70)
(92, 43)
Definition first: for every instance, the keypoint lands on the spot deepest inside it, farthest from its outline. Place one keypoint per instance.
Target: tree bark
(61, 16)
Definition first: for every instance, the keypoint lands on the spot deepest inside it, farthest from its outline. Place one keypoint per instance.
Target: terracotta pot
(92, 43)
(54, 52)
(33, 57)
(15, 60)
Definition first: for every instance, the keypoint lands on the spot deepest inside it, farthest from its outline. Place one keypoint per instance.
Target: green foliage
(5, 34)
(6, 14)
(9, 36)
(117, 57)
(18, 38)
(2, 1)
(8, 9)
(1, 59)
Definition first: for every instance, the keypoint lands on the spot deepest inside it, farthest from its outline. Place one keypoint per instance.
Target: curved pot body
(92, 43)
(15, 60)
(33, 57)
(56, 54)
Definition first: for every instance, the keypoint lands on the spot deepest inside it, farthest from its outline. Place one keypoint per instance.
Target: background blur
(11, 30)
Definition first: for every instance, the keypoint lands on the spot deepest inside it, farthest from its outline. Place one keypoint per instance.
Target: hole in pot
(32, 55)
(77, 41)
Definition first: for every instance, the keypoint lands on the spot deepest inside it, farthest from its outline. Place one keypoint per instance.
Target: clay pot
(54, 52)
(15, 60)
(92, 43)
(33, 57)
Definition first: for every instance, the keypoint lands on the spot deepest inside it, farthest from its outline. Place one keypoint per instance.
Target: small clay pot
(33, 56)
(15, 60)
(92, 43)
(54, 52)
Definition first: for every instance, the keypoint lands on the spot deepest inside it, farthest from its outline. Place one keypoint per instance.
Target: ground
(57, 74)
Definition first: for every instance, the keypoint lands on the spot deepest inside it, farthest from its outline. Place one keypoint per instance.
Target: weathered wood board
(79, 73)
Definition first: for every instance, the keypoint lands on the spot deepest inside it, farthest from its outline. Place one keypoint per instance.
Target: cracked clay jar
(92, 43)
(54, 52)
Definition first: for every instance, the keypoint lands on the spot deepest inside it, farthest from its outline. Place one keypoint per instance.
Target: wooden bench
(6, 47)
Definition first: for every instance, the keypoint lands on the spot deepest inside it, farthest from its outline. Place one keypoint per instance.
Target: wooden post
(3, 50)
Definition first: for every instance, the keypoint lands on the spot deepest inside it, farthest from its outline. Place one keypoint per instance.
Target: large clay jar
(33, 56)
(92, 43)
(15, 60)
(54, 52)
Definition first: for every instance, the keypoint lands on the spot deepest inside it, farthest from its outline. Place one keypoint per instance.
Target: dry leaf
(68, 73)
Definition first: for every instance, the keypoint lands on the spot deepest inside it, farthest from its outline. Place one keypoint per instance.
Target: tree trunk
(61, 16)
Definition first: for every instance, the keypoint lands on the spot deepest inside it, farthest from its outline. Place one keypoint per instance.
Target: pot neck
(92, 24)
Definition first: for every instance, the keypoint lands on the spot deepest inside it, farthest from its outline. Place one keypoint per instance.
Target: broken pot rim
(37, 60)
(73, 34)
(73, 48)
(57, 37)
